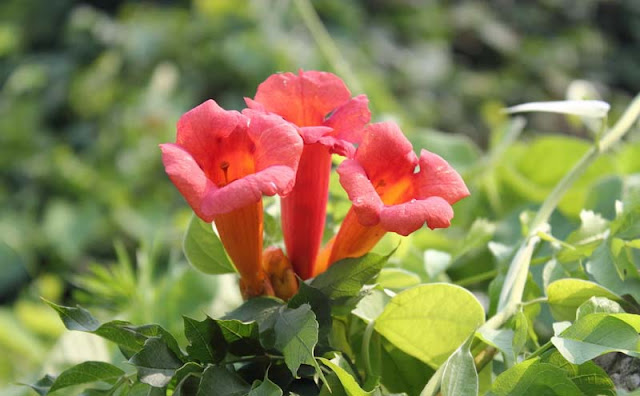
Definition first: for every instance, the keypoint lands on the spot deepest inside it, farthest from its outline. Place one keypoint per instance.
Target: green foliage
(430, 321)
(203, 248)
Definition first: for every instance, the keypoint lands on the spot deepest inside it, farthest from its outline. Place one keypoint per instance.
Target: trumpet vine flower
(320, 105)
(391, 190)
(222, 163)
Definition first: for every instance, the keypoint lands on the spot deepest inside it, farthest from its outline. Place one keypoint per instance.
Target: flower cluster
(223, 162)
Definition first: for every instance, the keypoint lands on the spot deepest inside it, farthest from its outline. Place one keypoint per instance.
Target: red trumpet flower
(389, 195)
(222, 163)
(329, 121)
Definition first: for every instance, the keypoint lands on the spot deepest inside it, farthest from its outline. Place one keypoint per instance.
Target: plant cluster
(346, 324)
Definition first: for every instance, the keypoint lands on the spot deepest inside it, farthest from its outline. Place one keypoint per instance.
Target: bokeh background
(88, 89)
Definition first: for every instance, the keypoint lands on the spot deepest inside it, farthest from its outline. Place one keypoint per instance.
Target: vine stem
(513, 289)
(366, 343)
(326, 44)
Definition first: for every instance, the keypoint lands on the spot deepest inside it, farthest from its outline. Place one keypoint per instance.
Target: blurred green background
(88, 89)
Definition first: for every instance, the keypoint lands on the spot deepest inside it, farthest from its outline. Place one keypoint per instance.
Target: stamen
(224, 165)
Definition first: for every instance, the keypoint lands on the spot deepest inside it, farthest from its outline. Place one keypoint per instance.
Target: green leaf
(242, 338)
(566, 295)
(141, 389)
(203, 248)
(397, 278)
(156, 363)
(598, 305)
(85, 373)
(430, 321)
(502, 339)
(43, 385)
(349, 384)
(532, 378)
(590, 378)
(372, 305)
(346, 277)
(596, 334)
(255, 309)
(187, 379)
(459, 377)
(436, 262)
(206, 341)
(602, 268)
(320, 305)
(296, 335)
(76, 318)
(266, 388)
(218, 381)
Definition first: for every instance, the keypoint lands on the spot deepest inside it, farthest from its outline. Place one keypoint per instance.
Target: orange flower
(222, 163)
(388, 194)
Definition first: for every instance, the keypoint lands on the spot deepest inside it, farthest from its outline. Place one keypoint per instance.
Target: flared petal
(437, 178)
(188, 178)
(385, 153)
(349, 120)
(277, 142)
(408, 217)
(206, 126)
(366, 201)
(304, 99)
(277, 179)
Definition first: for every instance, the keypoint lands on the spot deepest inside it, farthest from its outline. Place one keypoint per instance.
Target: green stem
(326, 44)
(477, 278)
(366, 343)
(511, 295)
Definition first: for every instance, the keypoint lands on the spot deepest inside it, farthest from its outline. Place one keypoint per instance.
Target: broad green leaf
(156, 363)
(583, 108)
(349, 384)
(397, 278)
(85, 373)
(532, 378)
(346, 277)
(296, 332)
(141, 389)
(627, 224)
(590, 378)
(266, 388)
(602, 268)
(206, 342)
(218, 381)
(595, 335)
(598, 305)
(332, 386)
(459, 377)
(203, 248)
(566, 295)
(430, 321)
(457, 149)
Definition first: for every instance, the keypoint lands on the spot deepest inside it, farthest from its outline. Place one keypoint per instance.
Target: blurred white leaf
(584, 108)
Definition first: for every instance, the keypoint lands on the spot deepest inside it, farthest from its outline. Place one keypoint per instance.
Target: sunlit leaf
(430, 321)
(204, 249)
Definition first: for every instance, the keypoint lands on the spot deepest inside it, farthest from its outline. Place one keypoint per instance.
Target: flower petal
(202, 128)
(385, 153)
(275, 179)
(366, 201)
(304, 99)
(408, 217)
(437, 178)
(277, 142)
(188, 178)
(349, 120)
